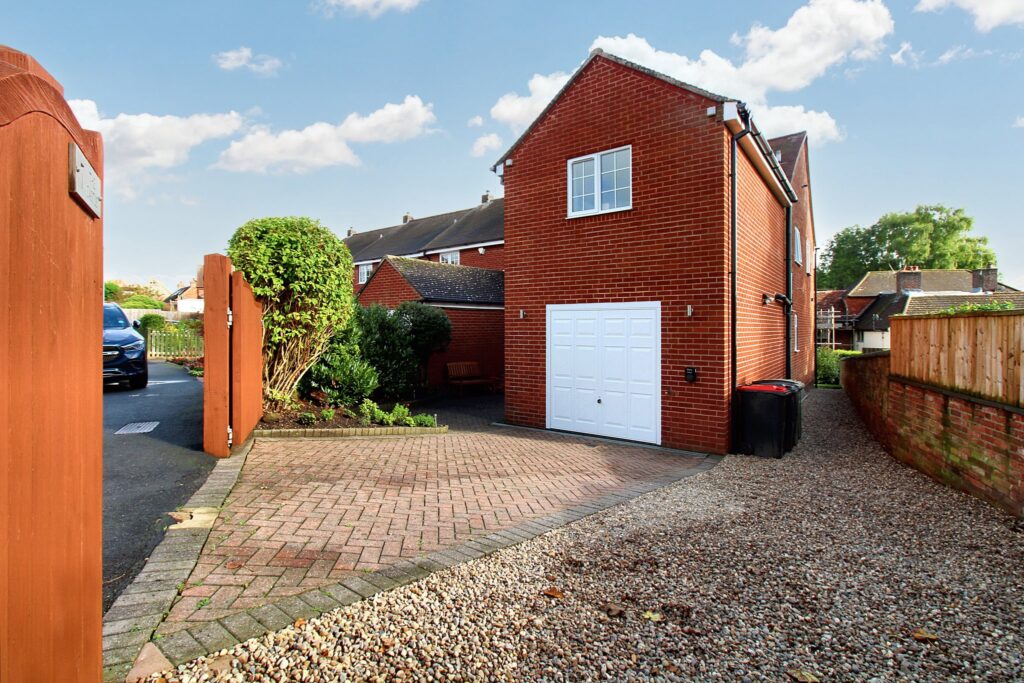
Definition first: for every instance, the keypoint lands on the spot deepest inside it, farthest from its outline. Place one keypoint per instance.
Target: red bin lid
(771, 388)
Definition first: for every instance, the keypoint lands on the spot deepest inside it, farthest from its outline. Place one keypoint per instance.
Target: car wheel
(139, 382)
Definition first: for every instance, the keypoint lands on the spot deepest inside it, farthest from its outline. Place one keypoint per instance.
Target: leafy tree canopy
(111, 291)
(142, 301)
(302, 273)
(929, 236)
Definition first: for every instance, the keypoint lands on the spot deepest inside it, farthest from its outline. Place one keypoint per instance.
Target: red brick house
(472, 298)
(454, 261)
(653, 242)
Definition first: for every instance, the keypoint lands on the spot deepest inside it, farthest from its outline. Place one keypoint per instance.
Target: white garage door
(604, 369)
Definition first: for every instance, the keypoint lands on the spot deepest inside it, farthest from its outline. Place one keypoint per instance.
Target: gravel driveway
(823, 563)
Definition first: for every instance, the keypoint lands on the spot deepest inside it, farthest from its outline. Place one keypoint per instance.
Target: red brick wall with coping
(970, 444)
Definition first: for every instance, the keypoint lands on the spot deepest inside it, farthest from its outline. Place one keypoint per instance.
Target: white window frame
(365, 270)
(452, 257)
(798, 252)
(596, 157)
(796, 333)
(810, 261)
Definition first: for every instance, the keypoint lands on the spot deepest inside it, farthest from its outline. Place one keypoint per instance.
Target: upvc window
(798, 246)
(364, 272)
(602, 182)
(450, 257)
(796, 333)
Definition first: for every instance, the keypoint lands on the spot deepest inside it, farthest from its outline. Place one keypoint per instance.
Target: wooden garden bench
(467, 373)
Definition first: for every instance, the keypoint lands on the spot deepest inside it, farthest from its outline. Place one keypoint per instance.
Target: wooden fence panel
(217, 364)
(974, 353)
(162, 344)
(246, 359)
(51, 395)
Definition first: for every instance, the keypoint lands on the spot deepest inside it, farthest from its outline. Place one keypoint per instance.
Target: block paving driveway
(308, 513)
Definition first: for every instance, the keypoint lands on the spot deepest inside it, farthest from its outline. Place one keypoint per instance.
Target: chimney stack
(406, 218)
(908, 278)
(985, 279)
(351, 231)
(487, 197)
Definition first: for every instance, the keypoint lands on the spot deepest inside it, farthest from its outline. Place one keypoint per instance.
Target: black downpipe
(733, 231)
(789, 292)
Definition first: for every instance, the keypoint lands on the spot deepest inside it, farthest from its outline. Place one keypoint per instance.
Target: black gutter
(789, 292)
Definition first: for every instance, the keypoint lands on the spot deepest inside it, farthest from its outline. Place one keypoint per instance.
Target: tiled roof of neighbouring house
(479, 224)
(876, 316)
(444, 283)
(788, 149)
(830, 298)
(921, 304)
(952, 280)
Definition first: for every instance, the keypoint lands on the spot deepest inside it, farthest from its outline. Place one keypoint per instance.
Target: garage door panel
(607, 352)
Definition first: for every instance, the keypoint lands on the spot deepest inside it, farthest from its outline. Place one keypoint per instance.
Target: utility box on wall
(51, 392)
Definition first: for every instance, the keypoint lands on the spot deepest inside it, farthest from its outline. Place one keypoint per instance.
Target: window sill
(589, 214)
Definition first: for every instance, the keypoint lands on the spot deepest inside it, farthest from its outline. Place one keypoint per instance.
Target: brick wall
(477, 335)
(493, 257)
(973, 445)
(804, 301)
(387, 287)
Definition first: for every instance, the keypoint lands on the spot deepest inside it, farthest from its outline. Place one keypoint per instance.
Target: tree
(302, 273)
(111, 291)
(929, 237)
(151, 321)
(430, 330)
(142, 301)
(385, 342)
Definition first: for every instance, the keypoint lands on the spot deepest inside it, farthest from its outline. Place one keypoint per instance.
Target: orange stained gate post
(51, 382)
(217, 355)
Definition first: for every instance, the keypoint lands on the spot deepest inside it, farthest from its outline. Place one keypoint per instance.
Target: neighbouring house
(654, 238)
(858, 318)
(469, 237)
(187, 298)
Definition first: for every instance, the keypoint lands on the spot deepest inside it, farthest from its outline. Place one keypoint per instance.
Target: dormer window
(600, 183)
(364, 272)
(450, 257)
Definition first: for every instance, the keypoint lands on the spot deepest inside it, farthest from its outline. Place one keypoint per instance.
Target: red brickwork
(972, 445)
(803, 282)
(493, 257)
(672, 246)
(387, 288)
(477, 335)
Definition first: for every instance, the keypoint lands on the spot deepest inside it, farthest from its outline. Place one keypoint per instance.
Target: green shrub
(980, 308)
(828, 363)
(385, 344)
(341, 374)
(307, 418)
(429, 328)
(302, 273)
(424, 420)
(111, 291)
(367, 410)
(283, 400)
(400, 415)
(151, 321)
(142, 301)
(327, 414)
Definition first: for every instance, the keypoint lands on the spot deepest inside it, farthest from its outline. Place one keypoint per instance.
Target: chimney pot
(486, 197)
(351, 231)
(406, 218)
(985, 279)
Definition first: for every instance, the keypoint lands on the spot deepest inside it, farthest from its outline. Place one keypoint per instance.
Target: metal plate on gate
(83, 181)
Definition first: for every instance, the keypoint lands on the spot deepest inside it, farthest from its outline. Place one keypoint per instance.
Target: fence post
(51, 405)
(217, 366)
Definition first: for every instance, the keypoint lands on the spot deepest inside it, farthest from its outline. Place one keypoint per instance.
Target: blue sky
(356, 111)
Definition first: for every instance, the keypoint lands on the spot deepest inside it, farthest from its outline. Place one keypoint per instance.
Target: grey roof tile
(443, 283)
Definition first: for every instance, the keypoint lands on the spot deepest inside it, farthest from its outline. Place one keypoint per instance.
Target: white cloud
(518, 111)
(475, 122)
(1019, 123)
(485, 144)
(324, 144)
(959, 53)
(906, 55)
(135, 144)
(372, 8)
(243, 57)
(988, 14)
(818, 36)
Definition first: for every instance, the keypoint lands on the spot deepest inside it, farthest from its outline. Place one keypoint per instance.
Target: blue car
(124, 349)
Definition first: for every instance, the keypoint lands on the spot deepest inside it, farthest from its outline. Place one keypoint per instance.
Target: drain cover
(137, 428)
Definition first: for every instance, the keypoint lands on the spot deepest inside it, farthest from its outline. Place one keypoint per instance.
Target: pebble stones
(835, 563)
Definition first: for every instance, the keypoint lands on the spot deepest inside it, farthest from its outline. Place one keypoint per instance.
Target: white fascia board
(765, 167)
(378, 260)
(366, 263)
(460, 247)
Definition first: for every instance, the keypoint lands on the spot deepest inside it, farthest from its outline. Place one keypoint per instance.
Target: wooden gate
(233, 364)
(51, 382)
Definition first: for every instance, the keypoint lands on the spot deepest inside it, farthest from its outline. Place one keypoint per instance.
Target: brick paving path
(308, 513)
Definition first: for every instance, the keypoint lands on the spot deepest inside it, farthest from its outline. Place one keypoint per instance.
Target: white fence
(182, 344)
(175, 316)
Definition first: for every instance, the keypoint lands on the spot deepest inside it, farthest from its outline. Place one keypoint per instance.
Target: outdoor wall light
(522, 314)
(481, 250)
(767, 298)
